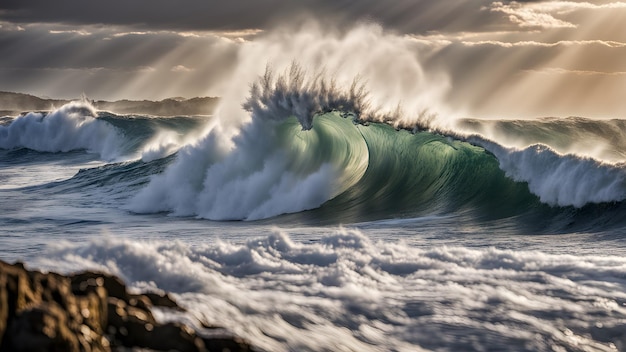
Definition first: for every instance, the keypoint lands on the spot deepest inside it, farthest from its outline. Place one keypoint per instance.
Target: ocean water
(314, 224)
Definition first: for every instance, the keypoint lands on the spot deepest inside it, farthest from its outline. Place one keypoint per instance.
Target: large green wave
(372, 171)
(422, 174)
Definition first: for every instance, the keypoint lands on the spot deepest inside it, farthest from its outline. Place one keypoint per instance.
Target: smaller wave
(74, 126)
(151, 137)
(563, 180)
(600, 139)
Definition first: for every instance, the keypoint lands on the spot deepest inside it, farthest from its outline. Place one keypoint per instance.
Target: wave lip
(74, 126)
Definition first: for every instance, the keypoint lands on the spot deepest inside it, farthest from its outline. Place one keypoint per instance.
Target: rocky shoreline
(91, 312)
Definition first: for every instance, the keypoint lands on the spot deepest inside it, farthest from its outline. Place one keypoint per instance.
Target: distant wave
(78, 126)
(74, 126)
(558, 179)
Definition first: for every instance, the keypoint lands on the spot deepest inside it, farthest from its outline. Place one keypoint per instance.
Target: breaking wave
(74, 126)
(309, 145)
(598, 139)
(78, 126)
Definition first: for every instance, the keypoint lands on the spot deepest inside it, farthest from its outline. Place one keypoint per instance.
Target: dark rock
(169, 336)
(114, 286)
(42, 328)
(162, 300)
(4, 304)
(140, 301)
(91, 312)
(226, 343)
(42, 314)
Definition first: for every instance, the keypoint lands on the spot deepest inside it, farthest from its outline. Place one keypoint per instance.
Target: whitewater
(335, 204)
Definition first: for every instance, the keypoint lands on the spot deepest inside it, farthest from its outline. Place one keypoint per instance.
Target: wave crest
(294, 94)
(74, 126)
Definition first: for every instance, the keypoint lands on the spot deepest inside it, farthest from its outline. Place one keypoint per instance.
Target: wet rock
(40, 313)
(113, 285)
(42, 328)
(162, 300)
(91, 312)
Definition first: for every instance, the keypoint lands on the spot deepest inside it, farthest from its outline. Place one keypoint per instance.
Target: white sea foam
(71, 127)
(164, 143)
(247, 181)
(346, 292)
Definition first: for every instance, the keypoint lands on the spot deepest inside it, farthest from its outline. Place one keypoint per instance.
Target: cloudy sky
(496, 58)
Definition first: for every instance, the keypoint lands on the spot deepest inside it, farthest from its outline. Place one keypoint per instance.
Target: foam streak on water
(363, 295)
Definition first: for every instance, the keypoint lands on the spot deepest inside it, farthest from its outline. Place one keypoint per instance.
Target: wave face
(420, 174)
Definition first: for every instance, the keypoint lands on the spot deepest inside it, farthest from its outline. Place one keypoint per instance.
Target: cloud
(562, 71)
(609, 43)
(181, 68)
(123, 34)
(563, 7)
(542, 14)
(526, 16)
(75, 31)
(406, 16)
(10, 27)
(55, 60)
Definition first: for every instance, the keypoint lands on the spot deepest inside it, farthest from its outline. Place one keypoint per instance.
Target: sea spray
(388, 66)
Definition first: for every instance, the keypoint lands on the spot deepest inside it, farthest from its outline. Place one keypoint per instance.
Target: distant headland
(16, 103)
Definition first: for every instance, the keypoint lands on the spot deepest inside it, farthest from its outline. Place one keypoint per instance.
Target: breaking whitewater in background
(400, 226)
